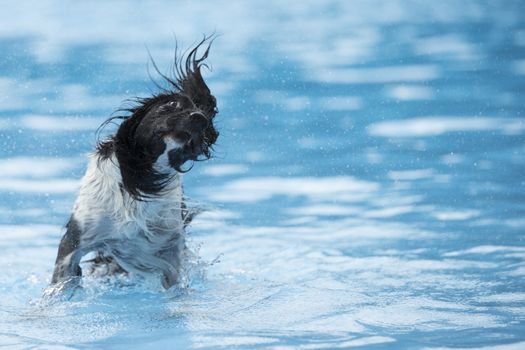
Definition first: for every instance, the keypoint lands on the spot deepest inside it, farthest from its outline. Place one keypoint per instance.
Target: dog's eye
(174, 104)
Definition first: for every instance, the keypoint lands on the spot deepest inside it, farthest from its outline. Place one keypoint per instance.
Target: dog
(130, 211)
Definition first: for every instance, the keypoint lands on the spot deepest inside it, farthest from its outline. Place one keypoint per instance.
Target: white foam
(18, 233)
(52, 35)
(23, 94)
(515, 222)
(39, 186)
(296, 103)
(49, 123)
(456, 215)
(406, 73)
(225, 169)
(438, 125)
(371, 340)
(410, 92)
(322, 230)
(311, 142)
(77, 98)
(35, 167)
(487, 249)
(324, 210)
(504, 298)
(447, 45)
(452, 158)
(22, 213)
(518, 271)
(389, 211)
(311, 54)
(513, 346)
(260, 188)
(204, 341)
(424, 314)
(15, 94)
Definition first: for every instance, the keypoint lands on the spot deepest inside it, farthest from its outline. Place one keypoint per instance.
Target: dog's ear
(191, 82)
(194, 86)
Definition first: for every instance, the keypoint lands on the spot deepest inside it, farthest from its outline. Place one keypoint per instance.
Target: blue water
(367, 188)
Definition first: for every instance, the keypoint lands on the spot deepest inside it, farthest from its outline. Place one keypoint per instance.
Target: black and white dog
(130, 211)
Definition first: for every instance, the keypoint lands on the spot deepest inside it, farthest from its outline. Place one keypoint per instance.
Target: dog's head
(175, 125)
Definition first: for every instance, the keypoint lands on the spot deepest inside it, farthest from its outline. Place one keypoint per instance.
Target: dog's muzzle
(192, 137)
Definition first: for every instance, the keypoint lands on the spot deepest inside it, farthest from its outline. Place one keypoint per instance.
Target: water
(367, 190)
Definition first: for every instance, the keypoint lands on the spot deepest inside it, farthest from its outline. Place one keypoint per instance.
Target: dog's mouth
(194, 136)
(193, 148)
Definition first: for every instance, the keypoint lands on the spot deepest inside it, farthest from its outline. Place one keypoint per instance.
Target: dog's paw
(63, 290)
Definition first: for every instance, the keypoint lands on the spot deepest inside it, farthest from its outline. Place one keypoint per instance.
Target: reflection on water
(367, 189)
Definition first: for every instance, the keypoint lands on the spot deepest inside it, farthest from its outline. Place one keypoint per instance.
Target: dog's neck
(102, 192)
(143, 175)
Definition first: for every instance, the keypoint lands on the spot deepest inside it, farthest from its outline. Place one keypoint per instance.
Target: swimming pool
(367, 188)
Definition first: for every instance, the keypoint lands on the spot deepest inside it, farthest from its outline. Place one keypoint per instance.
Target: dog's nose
(198, 122)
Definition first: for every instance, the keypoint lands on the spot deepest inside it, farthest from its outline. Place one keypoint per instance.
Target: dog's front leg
(67, 266)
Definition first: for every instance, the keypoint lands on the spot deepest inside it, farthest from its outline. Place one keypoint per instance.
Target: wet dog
(130, 211)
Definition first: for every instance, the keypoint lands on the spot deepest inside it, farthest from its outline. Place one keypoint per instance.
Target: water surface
(367, 188)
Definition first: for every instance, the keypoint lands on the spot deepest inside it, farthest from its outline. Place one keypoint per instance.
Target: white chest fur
(142, 236)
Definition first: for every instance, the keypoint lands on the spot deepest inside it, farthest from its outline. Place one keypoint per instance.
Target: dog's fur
(130, 210)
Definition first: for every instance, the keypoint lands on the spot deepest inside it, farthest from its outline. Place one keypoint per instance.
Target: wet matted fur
(130, 209)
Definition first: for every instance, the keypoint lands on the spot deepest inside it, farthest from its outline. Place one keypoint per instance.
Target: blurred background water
(367, 189)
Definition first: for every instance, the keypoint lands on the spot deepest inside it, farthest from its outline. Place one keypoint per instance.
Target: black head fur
(184, 111)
